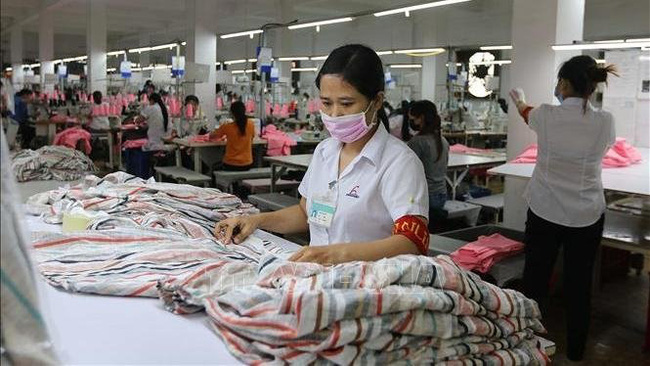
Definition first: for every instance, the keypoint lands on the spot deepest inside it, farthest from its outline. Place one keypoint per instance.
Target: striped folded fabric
(133, 202)
(51, 163)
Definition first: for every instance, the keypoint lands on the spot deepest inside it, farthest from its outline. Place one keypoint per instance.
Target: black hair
(503, 104)
(238, 110)
(389, 107)
(584, 74)
(24, 91)
(97, 97)
(359, 66)
(155, 97)
(405, 108)
(191, 98)
(432, 122)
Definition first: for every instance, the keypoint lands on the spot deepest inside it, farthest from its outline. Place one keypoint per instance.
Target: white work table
(632, 179)
(459, 164)
(95, 329)
(197, 148)
(299, 162)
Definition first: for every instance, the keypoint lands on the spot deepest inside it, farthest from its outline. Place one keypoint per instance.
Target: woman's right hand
(236, 229)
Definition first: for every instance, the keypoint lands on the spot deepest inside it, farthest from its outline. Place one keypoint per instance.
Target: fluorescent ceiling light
(115, 53)
(611, 41)
(599, 46)
(111, 69)
(252, 60)
(304, 69)
(318, 58)
(183, 43)
(600, 61)
(34, 65)
(241, 34)
(321, 22)
(163, 46)
(495, 48)
(409, 9)
(217, 63)
(637, 40)
(405, 66)
(495, 62)
(249, 71)
(141, 49)
(237, 72)
(232, 62)
(299, 58)
(9, 69)
(457, 64)
(421, 50)
(382, 53)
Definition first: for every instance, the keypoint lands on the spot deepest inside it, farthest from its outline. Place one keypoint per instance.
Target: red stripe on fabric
(319, 311)
(405, 323)
(292, 355)
(203, 271)
(359, 326)
(289, 298)
(136, 190)
(363, 275)
(95, 239)
(97, 202)
(514, 327)
(501, 360)
(512, 306)
(332, 352)
(246, 322)
(299, 308)
(498, 300)
(379, 302)
(336, 334)
(142, 289)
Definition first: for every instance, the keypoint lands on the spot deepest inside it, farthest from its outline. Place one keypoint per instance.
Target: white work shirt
(156, 127)
(566, 187)
(384, 183)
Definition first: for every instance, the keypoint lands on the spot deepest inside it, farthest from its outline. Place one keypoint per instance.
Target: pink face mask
(349, 128)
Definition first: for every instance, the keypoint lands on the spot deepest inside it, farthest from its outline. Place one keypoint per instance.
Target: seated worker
(432, 149)
(239, 139)
(155, 114)
(193, 101)
(21, 115)
(98, 122)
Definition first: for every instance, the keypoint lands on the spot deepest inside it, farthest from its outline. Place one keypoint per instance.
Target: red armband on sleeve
(526, 112)
(415, 229)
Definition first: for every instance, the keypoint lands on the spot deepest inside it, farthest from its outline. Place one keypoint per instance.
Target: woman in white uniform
(565, 194)
(364, 196)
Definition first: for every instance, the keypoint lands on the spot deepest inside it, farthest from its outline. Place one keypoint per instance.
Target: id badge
(321, 211)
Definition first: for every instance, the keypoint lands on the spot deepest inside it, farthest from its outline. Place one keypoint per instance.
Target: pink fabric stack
(189, 111)
(462, 149)
(134, 144)
(267, 108)
(250, 106)
(219, 103)
(621, 155)
(279, 143)
(314, 105)
(284, 112)
(482, 254)
(277, 109)
(205, 138)
(71, 136)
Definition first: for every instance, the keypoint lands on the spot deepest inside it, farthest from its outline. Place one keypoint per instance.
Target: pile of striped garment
(130, 201)
(51, 163)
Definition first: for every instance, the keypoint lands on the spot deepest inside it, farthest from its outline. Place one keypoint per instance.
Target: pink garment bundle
(63, 118)
(219, 103)
(279, 143)
(462, 149)
(284, 112)
(134, 144)
(174, 107)
(189, 111)
(267, 108)
(250, 106)
(277, 109)
(314, 105)
(482, 254)
(205, 138)
(71, 137)
(620, 155)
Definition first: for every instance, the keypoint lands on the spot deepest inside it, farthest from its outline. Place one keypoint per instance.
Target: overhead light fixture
(600, 61)
(645, 48)
(163, 46)
(9, 69)
(252, 60)
(495, 48)
(383, 53)
(115, 53)
(249, 33)
(421, 52)
(299, 58)
(31, 66)
(232, 62)
(140, 50)
(457, 64)
(217, 63)
(304, 69)
(111, 69)
(600, 46)
(637, 40)
(405, 66)
(183, 43)
(321, 22)
(407, 10)
(319, 58)
(611, 41)
(489, 63)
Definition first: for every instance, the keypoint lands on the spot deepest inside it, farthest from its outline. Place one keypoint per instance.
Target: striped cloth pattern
(134, 202)
(51, 163)
(409, 309)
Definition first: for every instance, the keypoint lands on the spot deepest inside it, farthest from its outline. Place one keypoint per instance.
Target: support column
(46, 45)
(429, 78)
(96, 45)
(425, 35)
(17, 57)
(536, 25)
(202, 49)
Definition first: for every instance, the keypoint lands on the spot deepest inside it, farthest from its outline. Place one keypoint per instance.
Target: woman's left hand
(325, 255)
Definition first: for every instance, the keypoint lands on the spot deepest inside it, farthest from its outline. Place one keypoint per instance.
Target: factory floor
(618, 324)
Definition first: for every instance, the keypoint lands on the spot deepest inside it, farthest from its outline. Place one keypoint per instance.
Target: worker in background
(98, 123)
(157, 119)
(398, 122)
(21, 115)
(432, 149)
(239, 136)
(565, 194)
(364, 196)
